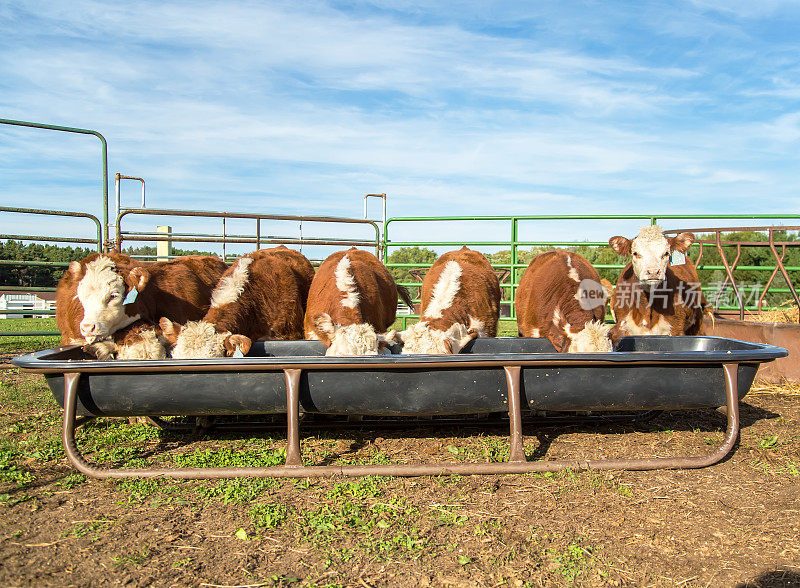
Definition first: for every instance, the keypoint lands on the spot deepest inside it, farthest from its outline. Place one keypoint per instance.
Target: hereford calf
(104, 293)
(653, 297)
(560, 297)
(262, 295)
(139, 340)
(351, 303)
(460, 301)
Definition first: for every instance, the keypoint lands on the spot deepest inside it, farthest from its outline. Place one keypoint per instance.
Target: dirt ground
(733, 524)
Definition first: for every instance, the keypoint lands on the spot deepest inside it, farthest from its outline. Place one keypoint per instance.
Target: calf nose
(89, 330)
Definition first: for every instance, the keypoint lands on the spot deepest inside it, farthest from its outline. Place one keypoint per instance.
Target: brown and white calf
(105, 293)
(261, 296)
(560, 297)
(653, 297)
(460, 301)
(352, 302)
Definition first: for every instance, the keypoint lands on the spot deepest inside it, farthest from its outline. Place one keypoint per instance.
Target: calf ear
(466, 339)
(620, 245)
(681, 242)
(137, 278)
(388, 337)
(75, 269)
(233, 342)
(608, 289)
(169, 329)
(324, 325)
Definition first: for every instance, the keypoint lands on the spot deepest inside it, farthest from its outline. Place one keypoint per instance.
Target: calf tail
(405, 296)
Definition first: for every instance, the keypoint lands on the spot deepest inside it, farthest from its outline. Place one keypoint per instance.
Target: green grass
(17, 343)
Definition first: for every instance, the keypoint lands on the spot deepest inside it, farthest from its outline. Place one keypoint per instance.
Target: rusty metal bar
(293, 417)
(739, 298)
(376, 243)
(511, 467)
(774, 273)
(783, 269)
(516, 447)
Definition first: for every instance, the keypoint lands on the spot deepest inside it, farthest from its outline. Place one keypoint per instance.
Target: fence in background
(514, 269)
(96, 241)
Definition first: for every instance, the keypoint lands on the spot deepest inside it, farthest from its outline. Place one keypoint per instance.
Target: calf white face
(102, 292)
(421, 339)
(650, 251)
(200, 340)
(359, 339)
(355, 339)
(592, 339)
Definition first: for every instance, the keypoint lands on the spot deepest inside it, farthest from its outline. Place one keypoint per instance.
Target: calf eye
(665, 255)
(636, 255)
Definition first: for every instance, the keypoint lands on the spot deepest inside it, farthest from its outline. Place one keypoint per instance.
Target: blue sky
(449, 107)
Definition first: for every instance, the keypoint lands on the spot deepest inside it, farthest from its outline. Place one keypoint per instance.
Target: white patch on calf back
(445, 290)
(346, 283)
(230, 287)
(573, 273)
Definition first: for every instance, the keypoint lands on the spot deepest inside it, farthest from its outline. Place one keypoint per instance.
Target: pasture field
(734, 524)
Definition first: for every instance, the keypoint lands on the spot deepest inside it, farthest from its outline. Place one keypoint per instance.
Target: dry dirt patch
(736, 523)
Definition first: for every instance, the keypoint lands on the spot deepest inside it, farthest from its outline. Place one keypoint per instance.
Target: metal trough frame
(517, 463)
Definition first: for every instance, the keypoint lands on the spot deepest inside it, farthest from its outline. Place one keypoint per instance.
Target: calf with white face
(650, 253)
(653, 297)
(351, 303)
(460, 302)
(104, 290)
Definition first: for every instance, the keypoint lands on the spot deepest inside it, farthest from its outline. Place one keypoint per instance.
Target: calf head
(419, 338)
(200, 340)
(104, 290)
(650, 252)
(592, 339)
(355, 339)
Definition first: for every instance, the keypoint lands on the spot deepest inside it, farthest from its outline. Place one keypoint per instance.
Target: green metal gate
(513, 243)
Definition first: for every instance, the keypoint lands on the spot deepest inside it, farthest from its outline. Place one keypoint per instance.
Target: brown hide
(546, 286)
(179, 289)
(272, 303)
(682, 312)
(478, 294)
(377, 304)
(299, 265)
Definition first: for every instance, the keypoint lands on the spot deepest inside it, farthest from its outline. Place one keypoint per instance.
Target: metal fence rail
(256, 238)
(514, 243)
(96, 241)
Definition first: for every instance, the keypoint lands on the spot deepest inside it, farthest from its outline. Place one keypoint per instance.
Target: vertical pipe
(516, 450)
(783, 269)
(293, 417)
(224, 239)
(513, 310)
(258, 235)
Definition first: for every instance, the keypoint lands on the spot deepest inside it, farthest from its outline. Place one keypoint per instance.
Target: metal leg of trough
(516, 450)
(298, 471)
(293, 417)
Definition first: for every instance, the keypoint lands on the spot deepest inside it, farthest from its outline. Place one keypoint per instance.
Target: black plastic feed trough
(511, 375)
